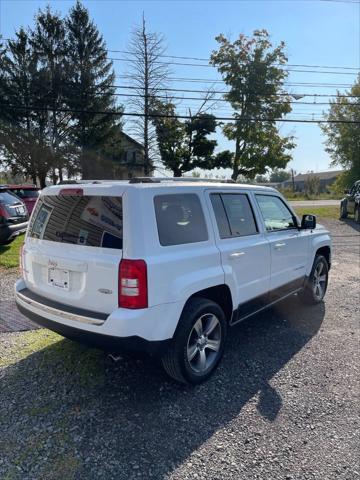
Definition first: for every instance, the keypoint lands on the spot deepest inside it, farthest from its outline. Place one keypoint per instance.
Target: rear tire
(343, 210)
(357, 214)
(316, 285)
(198, 342)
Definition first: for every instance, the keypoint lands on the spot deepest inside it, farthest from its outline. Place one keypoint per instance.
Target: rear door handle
(235, 255)
(279, 245)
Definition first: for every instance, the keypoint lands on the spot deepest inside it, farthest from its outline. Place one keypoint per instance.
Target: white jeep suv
(165, 267)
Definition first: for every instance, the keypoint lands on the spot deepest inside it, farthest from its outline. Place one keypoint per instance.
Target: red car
(28, 194)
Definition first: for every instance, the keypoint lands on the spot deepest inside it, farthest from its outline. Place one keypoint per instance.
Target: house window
(134, 156)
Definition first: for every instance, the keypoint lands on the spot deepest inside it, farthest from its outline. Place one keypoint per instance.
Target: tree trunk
(235, 173)
(42, 178)
(147, 166)
(177, 173)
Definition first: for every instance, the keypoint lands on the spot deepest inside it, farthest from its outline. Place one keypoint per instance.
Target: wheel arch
(325, 251)
(219, 294)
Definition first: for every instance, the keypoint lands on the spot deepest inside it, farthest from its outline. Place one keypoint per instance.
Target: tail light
(3, 213)
(133, 291)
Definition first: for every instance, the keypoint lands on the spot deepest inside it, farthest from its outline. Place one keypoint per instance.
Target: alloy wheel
(320, 279)
(204, 343)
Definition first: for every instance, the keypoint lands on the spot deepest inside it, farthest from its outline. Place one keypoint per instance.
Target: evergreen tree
(49, 47)
(90, 80)
(22, 129)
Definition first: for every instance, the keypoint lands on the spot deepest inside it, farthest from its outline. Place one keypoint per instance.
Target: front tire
(316, 285)
(198, 343)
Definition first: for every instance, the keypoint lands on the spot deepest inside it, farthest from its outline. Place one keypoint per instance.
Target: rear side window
(180, 219)
(234, 215)
(83, 220)
(276, 214)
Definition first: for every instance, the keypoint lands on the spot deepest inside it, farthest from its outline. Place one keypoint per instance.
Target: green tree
(184, 145)
(278, 175)
(261, 179)
(251, 67)
(90, 89)
(343, 139)
(48, 40)
(23, 130)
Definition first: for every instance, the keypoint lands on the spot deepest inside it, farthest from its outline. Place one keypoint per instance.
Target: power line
(185, 117)
(214, 80)
(131, 87)
(211, 66)
(214, 100)
(227, 91)
(296, 65)
(202, 59)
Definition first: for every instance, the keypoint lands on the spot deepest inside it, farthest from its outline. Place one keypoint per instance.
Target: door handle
(235, 255)
(279, 245)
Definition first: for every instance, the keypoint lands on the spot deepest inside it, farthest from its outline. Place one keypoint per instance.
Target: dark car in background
(351, 203)
(28, 194)
(13, 216)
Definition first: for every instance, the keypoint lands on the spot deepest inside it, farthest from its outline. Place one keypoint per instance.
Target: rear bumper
(7, 232)
(107, 343)
(148, 330)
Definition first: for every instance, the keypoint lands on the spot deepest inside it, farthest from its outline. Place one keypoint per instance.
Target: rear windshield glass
(8, 199)
(26, 192)
(93, 221)
(180, 219)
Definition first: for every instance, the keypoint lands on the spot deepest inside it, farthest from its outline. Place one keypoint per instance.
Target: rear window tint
(93, 221)
(180, 219)
(240, 215)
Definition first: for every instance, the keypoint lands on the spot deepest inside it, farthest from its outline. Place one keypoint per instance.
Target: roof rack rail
(144, 180)
(178, 179)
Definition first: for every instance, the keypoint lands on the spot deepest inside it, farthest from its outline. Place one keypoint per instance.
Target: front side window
(83, 220)
(233, 214)
(275, 213)
(180, 219)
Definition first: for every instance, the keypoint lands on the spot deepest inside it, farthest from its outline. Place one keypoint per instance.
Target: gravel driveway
(284, 404)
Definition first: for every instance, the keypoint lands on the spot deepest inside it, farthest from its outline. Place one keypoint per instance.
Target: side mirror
(308, 222)
(346, 191)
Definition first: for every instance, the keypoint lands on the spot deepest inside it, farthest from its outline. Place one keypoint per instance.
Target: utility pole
(292, 179)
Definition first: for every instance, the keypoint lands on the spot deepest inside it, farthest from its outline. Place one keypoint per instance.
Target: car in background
(28, 194)
(350, 204)
(13, 216)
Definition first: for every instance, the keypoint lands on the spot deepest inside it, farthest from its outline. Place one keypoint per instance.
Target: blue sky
(316, 32)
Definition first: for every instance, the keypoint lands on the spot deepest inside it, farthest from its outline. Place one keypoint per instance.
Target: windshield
(26, 192)
(82, 220)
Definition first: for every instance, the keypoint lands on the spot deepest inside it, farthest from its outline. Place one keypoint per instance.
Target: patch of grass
(331, 211)
(9, 254)
(290, 195)
(78, 364)
(25, 343)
